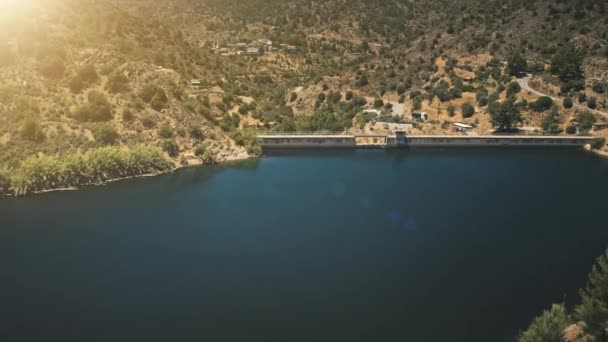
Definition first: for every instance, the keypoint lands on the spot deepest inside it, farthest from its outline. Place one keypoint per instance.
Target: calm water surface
(369, 245)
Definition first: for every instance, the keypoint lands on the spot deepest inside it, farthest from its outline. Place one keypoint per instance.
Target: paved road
(524, 84)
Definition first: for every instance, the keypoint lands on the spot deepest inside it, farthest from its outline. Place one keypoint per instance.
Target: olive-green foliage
(517, 64)
(594, 307)
(5, 181)
(451, 110)
(117, 83)
(505, 115)
(598, 143)
(96, 166)
(30, 130)
(567, 63)
(205, 153)
(249, 140)
(165, 131)
(568, 102)
(542, 104)
(513, 88)
(551, 121)
(106, 135)
(171, 147)
(548, 327)
(147, 92)
(585, 121)
(97, 108)
(196, 133)
(571, 129)
(467, 110)
(159, 100)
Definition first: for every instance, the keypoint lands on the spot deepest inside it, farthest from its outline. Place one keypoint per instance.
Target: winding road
(524, 84)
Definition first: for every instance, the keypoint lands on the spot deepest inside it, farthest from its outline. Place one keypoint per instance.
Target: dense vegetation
(592, 312)
(39, 173)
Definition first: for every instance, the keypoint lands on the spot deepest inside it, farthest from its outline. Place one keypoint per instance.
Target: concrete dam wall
(401, 140)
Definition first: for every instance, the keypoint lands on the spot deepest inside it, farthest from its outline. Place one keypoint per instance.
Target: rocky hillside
(76, 75)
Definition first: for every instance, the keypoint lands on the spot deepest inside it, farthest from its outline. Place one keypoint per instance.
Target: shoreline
(228, 160)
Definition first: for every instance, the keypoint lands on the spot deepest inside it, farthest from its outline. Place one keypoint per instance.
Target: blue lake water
(365, 245)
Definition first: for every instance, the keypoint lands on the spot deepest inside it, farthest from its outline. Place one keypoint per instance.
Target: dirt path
(524, 84)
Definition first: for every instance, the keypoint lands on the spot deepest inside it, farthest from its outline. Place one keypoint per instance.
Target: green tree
(551, 121)
(451, 110)
(592, 103)
(378, 103)
(467, 110)
(417, 103)
(593, 309)
(585, 121)
(542, 104)
(513, 88)
(568, 102)
(106, 135)
(548, 327)
(516, 64)
(567, 63)
(505, 115)
(171, 147)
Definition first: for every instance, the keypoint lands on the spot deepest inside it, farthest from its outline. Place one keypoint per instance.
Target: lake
(357, 245)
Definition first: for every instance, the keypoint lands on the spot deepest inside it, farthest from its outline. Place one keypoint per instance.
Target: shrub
(451, 110)
(31, 131)
(592, 103)
(96, 166)
(585, 121)
(600, 87)
(165, 131)
(467, 110)
(96, 109)
(170, 146)
(542, 104)
(196, 133)
(548, 327)
(568, 102)
(117, 83)
(5, 181)
(513, 88)
(293, 97)
(598, 143)
(159, 100)
(147, 92)
(148, 122)
(571, 129)
(127, 115)
(106, 135)
(200, 150)
(249, 140)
